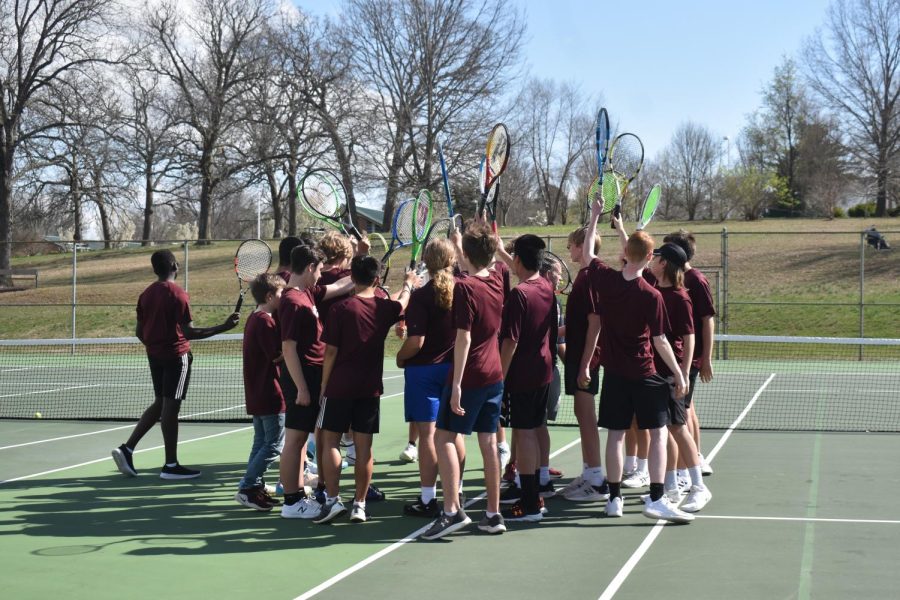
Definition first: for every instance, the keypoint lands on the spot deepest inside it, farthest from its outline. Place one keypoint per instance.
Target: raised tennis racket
(563, 281)
(401, 234)
(605, 191)
(602, 141)
(253, 258)
(496, 160)
(422, 207)
(626, 157)
(445, 179)
(649, 208)
(490, 202)
(323, 196)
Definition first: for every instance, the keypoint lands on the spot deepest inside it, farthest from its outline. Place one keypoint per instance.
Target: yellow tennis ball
(38, 415)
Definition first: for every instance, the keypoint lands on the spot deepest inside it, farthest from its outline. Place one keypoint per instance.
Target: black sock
(294, 498)
(656, 491)
(615, 489)
(412, 443)
(529, 493)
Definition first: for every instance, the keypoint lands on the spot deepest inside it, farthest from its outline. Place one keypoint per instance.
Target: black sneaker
(178, 472)
(373, 494)
(547, 491)
(445, 525)
(511, 495)
(269, 497)
(493, 524)
(421, 509)
(518, 513)
(124, 462)
(254, 498)
(330, 511)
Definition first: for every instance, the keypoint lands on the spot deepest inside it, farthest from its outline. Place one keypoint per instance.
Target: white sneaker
(357, 514)
(306, 508)
(504, 454)
(312, 468)
(614, 507)
(637, 480)
(572, 486)
(705, 467)
(697, 498)
(684, 484)
(674, 496)
(410, 453)
(588, 493)
(665, 510)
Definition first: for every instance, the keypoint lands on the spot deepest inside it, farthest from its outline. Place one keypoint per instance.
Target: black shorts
(571, 378)
(677, 406)
(302, 418)
(342, 414)
(693, 381)
(621, 399)
(171, 376)
(527, 410)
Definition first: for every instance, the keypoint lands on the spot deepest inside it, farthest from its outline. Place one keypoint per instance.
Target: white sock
(361, 504)
(594, 476)
(671, 482)
(630, 463)
(696, 474)
(460, 490)
(503, 446)
(170, 465)
(642, 465)
(428, 494)
(683, 473)
(489, 514)
(330, 499)
(545, 475)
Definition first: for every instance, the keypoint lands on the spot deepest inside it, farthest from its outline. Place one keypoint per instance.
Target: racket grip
(237, 307)
(494, 226)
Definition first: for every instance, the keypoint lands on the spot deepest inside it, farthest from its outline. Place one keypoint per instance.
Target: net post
(862, 289)
(74, 289)
(187, 270)
(723, 317)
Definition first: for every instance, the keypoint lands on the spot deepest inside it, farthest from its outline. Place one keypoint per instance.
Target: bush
(865, 209)
(838, 213)
(894, 212)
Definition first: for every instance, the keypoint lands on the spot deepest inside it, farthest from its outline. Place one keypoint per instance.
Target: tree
(689, 163)
(40, 42)
(854, 66)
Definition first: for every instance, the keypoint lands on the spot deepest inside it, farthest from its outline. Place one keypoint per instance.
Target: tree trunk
(5, 212)
(205, 219)
(881, 182)
(393, 178)
(276, 200)
(148, 208)
(104, 223)
(292, 202)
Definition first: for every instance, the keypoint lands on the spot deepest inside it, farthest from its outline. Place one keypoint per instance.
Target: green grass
(773, 261)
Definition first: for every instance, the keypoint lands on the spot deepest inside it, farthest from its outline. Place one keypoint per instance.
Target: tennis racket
(626, 157)
(445, 178)
(324, 198)
(490, 202)
(649, 208)
(253, 257)
(602, 140)
(496, 160)
(401, 234)
(564, 281)
(606, 191)
(422, 207)
(378, 246)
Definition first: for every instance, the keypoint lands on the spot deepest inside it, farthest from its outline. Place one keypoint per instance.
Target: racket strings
(627, 155)
(403, 226)
(253, 258)
(610, 190)
(321, 195)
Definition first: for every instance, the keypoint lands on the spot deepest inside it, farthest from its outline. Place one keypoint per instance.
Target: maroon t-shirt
(285, 274)
(478, 308)
(681, 323)
(161, 310)
(358, 326)
(528, 317)
(701, 298)
(577, 310)
(298, 316)
(631, 313)
(262, 345)
(424, 318)
(327, 278)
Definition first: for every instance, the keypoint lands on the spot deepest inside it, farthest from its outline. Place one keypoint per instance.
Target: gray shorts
(555, 392)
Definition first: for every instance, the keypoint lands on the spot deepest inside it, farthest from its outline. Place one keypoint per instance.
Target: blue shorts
(422, 389)
(482, 406)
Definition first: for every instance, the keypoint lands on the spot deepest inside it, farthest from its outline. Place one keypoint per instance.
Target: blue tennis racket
(401, 234)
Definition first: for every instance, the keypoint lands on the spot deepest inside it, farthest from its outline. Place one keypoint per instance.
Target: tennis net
(772, 383)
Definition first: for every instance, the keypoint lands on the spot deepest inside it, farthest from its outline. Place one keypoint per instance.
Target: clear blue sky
(658, 63)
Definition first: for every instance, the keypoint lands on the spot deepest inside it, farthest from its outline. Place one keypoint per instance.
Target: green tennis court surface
(806, 515)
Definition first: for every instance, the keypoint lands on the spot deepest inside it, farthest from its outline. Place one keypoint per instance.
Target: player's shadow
(148, 516)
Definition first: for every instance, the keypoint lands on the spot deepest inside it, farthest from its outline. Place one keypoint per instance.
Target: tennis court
(794, 514)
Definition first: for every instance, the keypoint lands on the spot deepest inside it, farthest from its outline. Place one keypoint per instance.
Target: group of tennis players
(479, 354)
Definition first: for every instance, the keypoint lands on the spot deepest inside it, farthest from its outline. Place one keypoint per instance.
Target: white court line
(14, 370)
(97, 460)
(801, 519)
(409, 538)
(638, 554)
(62, 389)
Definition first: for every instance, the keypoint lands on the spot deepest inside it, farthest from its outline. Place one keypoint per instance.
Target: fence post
(74, 289)
(187, 270)
(862, 289)
(723, 318)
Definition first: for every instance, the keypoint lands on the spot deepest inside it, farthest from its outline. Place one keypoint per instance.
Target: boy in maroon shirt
(262, 391)
(471, 400)
(164, 325)
(301, 376)
(351, 381)
(528, 320)
(633, 325)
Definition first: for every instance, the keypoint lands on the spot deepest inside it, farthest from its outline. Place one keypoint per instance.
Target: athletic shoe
(705, 468)
(517, 513)
(509, 474)
(421, 509)
(493, 524)
(269, 497)
(357, 514)
(373, 494)
(697, 498)
(319, 495)
(684, 484)
(305, 508)
(555, 473)
(665, 510)
(178, 472)
(572, 486)
(445, 525)
(547, 491)
(269, 489)
(279, 489)
(311, 468)
(253, 498)
(124, 462)
(588, 493)
(410, 453)
(511, 495)
(614, 507)
(504, 455)
(638, 479)
(329, 511)
(674, 496)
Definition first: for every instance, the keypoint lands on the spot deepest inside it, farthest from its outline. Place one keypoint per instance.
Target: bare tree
(41, 41)
(854, 66)
(689, 163)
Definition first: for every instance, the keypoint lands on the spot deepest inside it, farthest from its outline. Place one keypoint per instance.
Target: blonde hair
(336, 247)
(639, 245)
(577, 238)
(439, 256)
